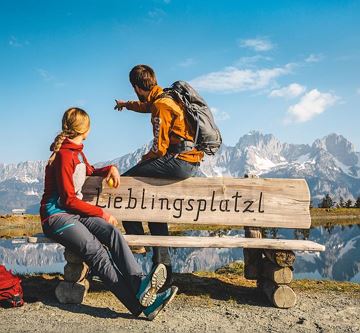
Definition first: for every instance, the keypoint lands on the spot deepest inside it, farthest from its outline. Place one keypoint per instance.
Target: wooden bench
(254, 203)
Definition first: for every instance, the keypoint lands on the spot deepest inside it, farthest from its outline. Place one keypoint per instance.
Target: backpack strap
(184, 145)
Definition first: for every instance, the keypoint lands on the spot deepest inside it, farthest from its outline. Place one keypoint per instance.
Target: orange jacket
(167, 118)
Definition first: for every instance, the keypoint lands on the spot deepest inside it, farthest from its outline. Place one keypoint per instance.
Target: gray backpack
(199, 117)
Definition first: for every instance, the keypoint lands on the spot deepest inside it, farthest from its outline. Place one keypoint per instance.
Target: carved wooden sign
(226, 201)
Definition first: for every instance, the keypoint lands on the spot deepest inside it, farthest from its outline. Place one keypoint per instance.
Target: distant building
(18, 211)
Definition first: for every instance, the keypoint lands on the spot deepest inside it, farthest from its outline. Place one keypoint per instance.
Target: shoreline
(27, 225)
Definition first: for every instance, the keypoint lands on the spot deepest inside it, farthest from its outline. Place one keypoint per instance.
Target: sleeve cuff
(106, 216)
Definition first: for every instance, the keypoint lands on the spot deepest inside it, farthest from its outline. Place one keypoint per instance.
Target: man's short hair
(143, 76)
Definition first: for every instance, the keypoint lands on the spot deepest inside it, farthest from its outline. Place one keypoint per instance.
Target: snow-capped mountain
(21, 185)
(330, 165)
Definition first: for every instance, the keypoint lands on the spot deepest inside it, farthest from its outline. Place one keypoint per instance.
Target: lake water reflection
(340, 261)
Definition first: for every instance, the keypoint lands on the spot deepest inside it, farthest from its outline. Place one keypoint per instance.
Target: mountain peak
(338, 146)
(255, 138)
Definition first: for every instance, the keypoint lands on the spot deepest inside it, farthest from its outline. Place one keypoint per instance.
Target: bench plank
(262, 202)
(224, 242)
(215, 242)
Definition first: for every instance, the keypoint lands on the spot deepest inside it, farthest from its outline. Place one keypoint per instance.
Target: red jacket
(59, 192)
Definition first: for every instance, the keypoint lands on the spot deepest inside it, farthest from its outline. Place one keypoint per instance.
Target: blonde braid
(57, 145)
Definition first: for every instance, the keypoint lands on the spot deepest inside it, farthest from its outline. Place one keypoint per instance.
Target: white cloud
(311, 104)
(257, 44)
(156, 15)
(314, 58)
(14, 42)
(46, 76)
(248, 61)
(232, 79)
(290, 91)
(187, 62)
(358, 91)
(220, 115)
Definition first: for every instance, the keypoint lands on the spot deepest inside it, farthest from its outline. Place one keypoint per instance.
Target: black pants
(164, 167)
(86, 236)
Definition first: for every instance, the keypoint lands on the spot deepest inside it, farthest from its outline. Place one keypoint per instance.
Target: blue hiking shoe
(161, 301)
(151, 284)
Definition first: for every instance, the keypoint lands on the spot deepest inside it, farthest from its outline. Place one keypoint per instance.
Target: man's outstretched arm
(136, 106)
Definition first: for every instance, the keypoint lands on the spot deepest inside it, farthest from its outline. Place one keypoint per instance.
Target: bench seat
(214, 242)
(224, 242)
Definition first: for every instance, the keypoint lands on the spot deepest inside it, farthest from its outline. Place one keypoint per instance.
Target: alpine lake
(339, 234)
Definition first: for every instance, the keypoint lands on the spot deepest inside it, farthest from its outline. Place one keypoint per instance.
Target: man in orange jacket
(172, 154)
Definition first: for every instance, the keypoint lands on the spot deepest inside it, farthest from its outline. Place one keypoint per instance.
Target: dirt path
(205, 304)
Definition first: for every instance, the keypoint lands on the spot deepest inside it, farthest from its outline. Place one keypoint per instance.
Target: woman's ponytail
(56, 145)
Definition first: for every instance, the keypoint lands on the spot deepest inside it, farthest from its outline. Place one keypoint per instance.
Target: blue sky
(290, 68)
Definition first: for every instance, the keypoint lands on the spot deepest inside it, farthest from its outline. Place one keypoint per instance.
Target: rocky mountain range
(330, 165)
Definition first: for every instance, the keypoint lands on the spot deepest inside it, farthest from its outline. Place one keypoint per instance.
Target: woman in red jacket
(85, 229)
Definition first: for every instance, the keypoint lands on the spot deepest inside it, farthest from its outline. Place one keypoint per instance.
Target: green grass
(26, 225)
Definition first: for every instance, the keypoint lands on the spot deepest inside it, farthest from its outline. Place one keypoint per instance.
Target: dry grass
(227, 283)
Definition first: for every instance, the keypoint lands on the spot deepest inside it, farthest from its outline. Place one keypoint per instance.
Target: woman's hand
(113, 221)
(114, 175)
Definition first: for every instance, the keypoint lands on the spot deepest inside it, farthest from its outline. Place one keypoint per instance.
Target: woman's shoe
(161, 301)
(151, 284)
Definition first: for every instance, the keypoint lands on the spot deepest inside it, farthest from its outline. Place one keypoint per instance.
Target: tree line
(328, 202)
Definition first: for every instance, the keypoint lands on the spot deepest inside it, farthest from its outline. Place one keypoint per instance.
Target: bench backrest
(262, 202)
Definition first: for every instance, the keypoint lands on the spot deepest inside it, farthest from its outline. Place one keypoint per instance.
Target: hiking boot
(151, 284)
(169, 279)
(161, 301)
(138, 249)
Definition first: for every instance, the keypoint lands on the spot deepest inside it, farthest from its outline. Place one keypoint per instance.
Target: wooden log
(69, 292)
(281, 296)
(75, 272)
(252, 257)
(71, 257)
(279, 275)
(283, 258)
(225, 201)
(222, 242)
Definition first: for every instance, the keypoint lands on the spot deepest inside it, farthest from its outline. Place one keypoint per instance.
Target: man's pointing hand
(119, 105)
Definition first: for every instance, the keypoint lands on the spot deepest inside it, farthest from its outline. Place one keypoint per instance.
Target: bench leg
(252, 257)
(75, 285)
(276, 275)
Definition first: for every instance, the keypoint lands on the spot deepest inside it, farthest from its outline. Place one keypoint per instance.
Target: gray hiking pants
(86, 237)
(164, 167)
